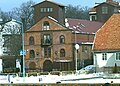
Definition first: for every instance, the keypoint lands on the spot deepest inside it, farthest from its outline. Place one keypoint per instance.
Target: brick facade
(53, 44)
(55, 31)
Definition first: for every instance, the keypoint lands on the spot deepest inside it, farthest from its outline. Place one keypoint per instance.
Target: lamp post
(22, 52)
(76, 48)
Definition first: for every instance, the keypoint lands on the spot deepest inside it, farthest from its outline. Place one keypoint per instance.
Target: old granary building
(50, 43)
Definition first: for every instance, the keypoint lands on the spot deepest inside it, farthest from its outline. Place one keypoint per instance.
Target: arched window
(62, 39)
(31, 40)
(62, 53)
(32, 54)
(46, 25)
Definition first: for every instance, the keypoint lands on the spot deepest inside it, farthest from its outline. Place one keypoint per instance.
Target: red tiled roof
(108, 36)
(83, 26)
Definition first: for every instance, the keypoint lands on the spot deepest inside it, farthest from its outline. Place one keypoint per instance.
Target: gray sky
(7, 5)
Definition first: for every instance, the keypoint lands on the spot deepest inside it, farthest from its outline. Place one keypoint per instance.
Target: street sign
(22, 53)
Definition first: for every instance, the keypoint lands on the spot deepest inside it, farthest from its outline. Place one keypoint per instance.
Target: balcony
(46, 42)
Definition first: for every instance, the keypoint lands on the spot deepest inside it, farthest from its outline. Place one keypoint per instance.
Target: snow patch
(52, 18)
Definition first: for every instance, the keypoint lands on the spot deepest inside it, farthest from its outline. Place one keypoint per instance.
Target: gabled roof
(108, 36)
(39, 25)
(50, 2)
(113, 3)
(83, 26)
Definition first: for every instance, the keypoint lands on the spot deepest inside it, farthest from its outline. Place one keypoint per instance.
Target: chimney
(109, 0)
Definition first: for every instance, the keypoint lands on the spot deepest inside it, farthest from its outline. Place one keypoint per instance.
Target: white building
(11, 27)
(106, 46)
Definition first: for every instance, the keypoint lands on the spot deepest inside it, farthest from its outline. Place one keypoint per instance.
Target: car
(88, 69)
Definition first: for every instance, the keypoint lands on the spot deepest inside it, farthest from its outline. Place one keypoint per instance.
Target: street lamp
(22, 28)
(22, 52)
(76, 48)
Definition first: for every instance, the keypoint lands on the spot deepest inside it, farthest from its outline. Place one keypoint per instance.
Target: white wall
(9, 28)
(12, 27)
(111, 60)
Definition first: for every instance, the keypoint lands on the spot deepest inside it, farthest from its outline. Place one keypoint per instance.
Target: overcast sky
(7, 5)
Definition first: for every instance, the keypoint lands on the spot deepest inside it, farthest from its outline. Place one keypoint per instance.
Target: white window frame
(46, 27)
(42, 10)
(117, 57)
(104, 56)
(91, 19)
(46, 9)
(104, 10)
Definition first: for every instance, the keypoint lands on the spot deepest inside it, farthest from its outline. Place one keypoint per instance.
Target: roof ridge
(50, 2)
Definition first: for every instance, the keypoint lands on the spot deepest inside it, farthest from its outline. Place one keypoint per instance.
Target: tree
(77, 12)
(4, 16)
(13, 40)
(26, 11)
(13, 44)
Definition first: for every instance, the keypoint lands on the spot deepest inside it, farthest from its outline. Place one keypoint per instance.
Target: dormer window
(93, 18)
(46, 25)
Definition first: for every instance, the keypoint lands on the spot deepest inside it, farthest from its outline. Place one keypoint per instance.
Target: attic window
(62, 39)
(46, 25)
(104, 10)
(46, 9)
